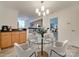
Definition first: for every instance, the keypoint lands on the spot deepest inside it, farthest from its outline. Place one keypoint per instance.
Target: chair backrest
(58, 44)
(19, 51)
(49, 36)
(32, 36)
(65, 45)
(65, 42)
(24, 46)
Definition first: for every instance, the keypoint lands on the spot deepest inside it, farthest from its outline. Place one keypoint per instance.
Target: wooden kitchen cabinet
(8, 39)
(22, 36)
(5, 39)
(15, 37)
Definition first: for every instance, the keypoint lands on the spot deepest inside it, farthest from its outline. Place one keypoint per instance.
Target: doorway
(54, 26)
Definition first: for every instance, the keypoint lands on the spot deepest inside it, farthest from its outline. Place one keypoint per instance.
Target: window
(21, 23)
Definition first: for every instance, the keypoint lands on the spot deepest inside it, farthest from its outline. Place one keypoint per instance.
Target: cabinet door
(15, 37)
(22, 36)
(5, 39)
(75, 32)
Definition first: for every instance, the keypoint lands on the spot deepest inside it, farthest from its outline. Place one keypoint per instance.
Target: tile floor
(10, 52)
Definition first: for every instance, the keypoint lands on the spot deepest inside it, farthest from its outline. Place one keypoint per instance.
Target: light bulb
(42, 8)
(44, 14)
(37, 10)
(47, 11)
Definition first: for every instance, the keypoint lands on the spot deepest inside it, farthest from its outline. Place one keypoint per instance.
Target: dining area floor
(10, 52)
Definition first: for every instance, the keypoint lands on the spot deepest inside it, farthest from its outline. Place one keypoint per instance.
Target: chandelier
(42, 11)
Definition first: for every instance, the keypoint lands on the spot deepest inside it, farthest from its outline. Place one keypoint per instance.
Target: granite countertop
(14, 30)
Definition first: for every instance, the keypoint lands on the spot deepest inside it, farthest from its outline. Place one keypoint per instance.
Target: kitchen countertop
(14, 30)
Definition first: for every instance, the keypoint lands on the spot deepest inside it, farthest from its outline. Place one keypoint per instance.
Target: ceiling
(28, 7)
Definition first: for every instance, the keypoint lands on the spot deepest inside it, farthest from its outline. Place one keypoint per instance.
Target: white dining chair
(49, 37)
(24, 46)
(59, 48)
(20, 52)
(32, 38)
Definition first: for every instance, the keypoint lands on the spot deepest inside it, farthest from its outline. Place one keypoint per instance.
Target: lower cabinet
(8, 39)
(5, 39)
(15, 37)
(22, 37)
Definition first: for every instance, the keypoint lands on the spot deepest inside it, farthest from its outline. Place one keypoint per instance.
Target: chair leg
(32, 54)
(35, 54)
(29, 43)
(50, 52)
(57, 53)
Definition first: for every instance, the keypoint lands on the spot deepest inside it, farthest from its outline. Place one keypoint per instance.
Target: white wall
(46, 22)
(68, 20)
(8, 17)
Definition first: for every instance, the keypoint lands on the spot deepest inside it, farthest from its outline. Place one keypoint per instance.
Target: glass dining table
(46, 44)
(36, 43)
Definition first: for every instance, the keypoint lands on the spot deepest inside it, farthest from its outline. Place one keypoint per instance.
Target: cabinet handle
(73, 30)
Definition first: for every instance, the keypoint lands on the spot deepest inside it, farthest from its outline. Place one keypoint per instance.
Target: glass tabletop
(44, 42)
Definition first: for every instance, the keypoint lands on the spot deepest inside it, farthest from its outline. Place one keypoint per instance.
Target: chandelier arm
(42, 11)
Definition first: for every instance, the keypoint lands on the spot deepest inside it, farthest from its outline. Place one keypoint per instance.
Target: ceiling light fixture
(42, 11)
